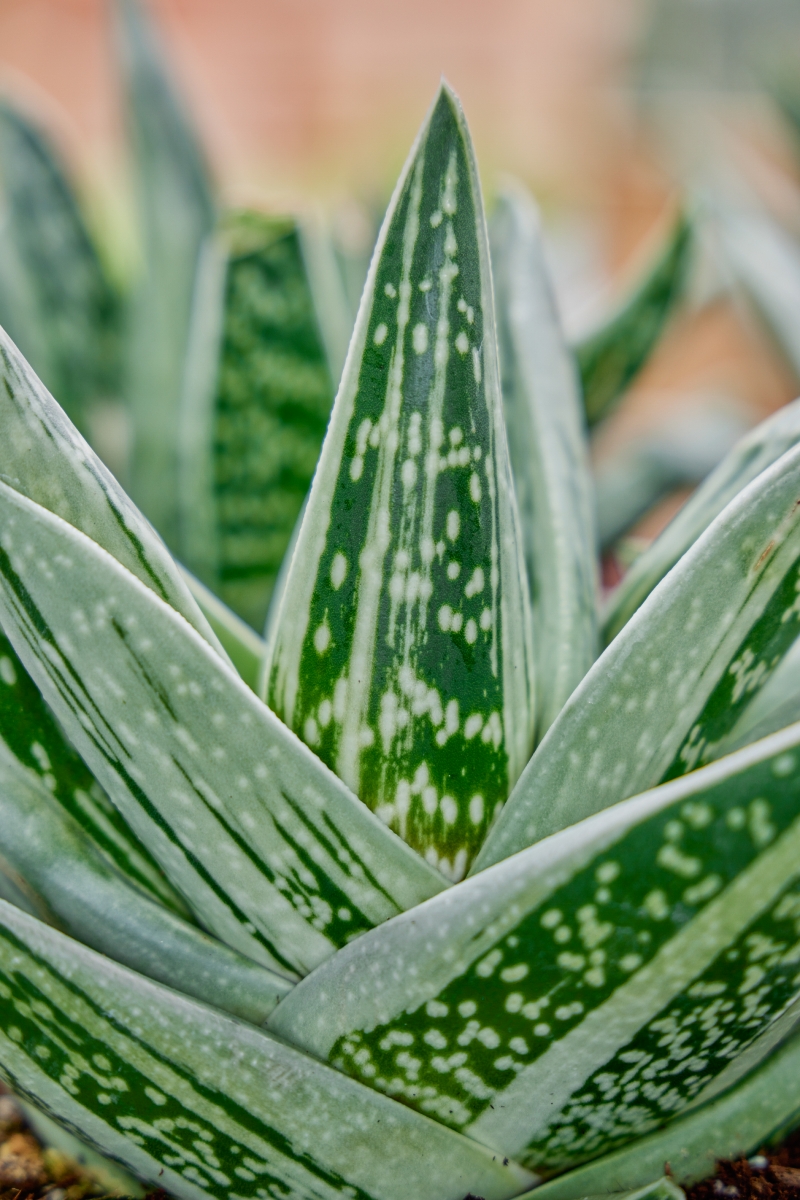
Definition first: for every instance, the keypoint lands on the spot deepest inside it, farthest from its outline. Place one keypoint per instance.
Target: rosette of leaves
(249, 966)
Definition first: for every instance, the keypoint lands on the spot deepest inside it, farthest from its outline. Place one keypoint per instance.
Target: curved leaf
(71, 886)
(400, 652)
(763, 1106)
(270, 850)
(581, 993)
(29, 732)
(43, 457)
(243, 646)
(176, 212)
(673, 683)
(756, 451)
(547, 445)
(256, 403)
(611, 357)
(193, 1101)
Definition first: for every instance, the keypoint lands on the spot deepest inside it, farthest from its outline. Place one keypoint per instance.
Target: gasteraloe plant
(624, 953)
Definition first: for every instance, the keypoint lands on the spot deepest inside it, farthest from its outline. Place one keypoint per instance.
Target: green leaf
(674, 682)
(401, 650)
(70, 331)
(547, 444)
(256, 403)
(763, 1106)
(756, 451)
(244, 647)
(588, 989)
(611, 357)
(69, 884)
(197, 1103)
(658, 1189)
(29, 732)
(176, 212)
(43, 456)
(270, 850)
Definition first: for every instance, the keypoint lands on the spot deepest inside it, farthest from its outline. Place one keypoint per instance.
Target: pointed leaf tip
(401, 649)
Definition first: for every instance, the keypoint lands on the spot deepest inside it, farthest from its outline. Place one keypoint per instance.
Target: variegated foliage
(670, 687)
(611, 357)
(55, 298)
(593, 986)
(256, 402)
(176, 212)
(634, 970)
(401, 651)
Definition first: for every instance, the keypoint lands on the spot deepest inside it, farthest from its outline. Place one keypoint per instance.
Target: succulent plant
(453, 906)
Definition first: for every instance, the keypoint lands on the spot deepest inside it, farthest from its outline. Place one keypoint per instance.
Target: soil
(29, 1171)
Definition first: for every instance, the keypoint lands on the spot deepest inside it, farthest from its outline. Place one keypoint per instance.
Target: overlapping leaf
(270, 850)
(547, 445)
(244, 647)
(59, 871)
(43, 456)
(593, 986)
(749, 457)
(401, 652)
(176, 213)
(674, 682)
(193, 1101)
(29, 732)
(256, 403)
(611, 357)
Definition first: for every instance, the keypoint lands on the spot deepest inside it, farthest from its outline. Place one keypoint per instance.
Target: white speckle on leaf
(338, 570)
(379, 337)
(419, 338)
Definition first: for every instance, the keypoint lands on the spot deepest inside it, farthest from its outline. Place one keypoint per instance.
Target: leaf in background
(43, 457)
(195, 1102)
(30, 733)
(401, 650)
(256, 403)
(761, 1109)
(583, 992)
(549, 459)
(244, 647)
(176, 212)
(756, 451)
(610, 358)
(70, 331)
(70, 885)
(674, 682)
(269, 849)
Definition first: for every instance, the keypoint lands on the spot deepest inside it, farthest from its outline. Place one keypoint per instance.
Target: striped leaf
(176, 212)
(749, 457)
(674, 682)
(270, 850)
(44, 457)
(197, 1103)
(547, 444)
(610, 358)
(401, 650)
(763, 1107)
(257, 400)
(244, 647)
(29, 732)
(68, 319)
(64, 878)
(592, 987)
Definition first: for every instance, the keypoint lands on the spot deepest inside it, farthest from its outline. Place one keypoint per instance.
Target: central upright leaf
(401, 651)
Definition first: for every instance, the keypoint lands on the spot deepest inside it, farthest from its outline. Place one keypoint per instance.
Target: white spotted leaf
(665, 695)
(581, 993)
(269, 849)
(205, 1106)
(401, 649)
